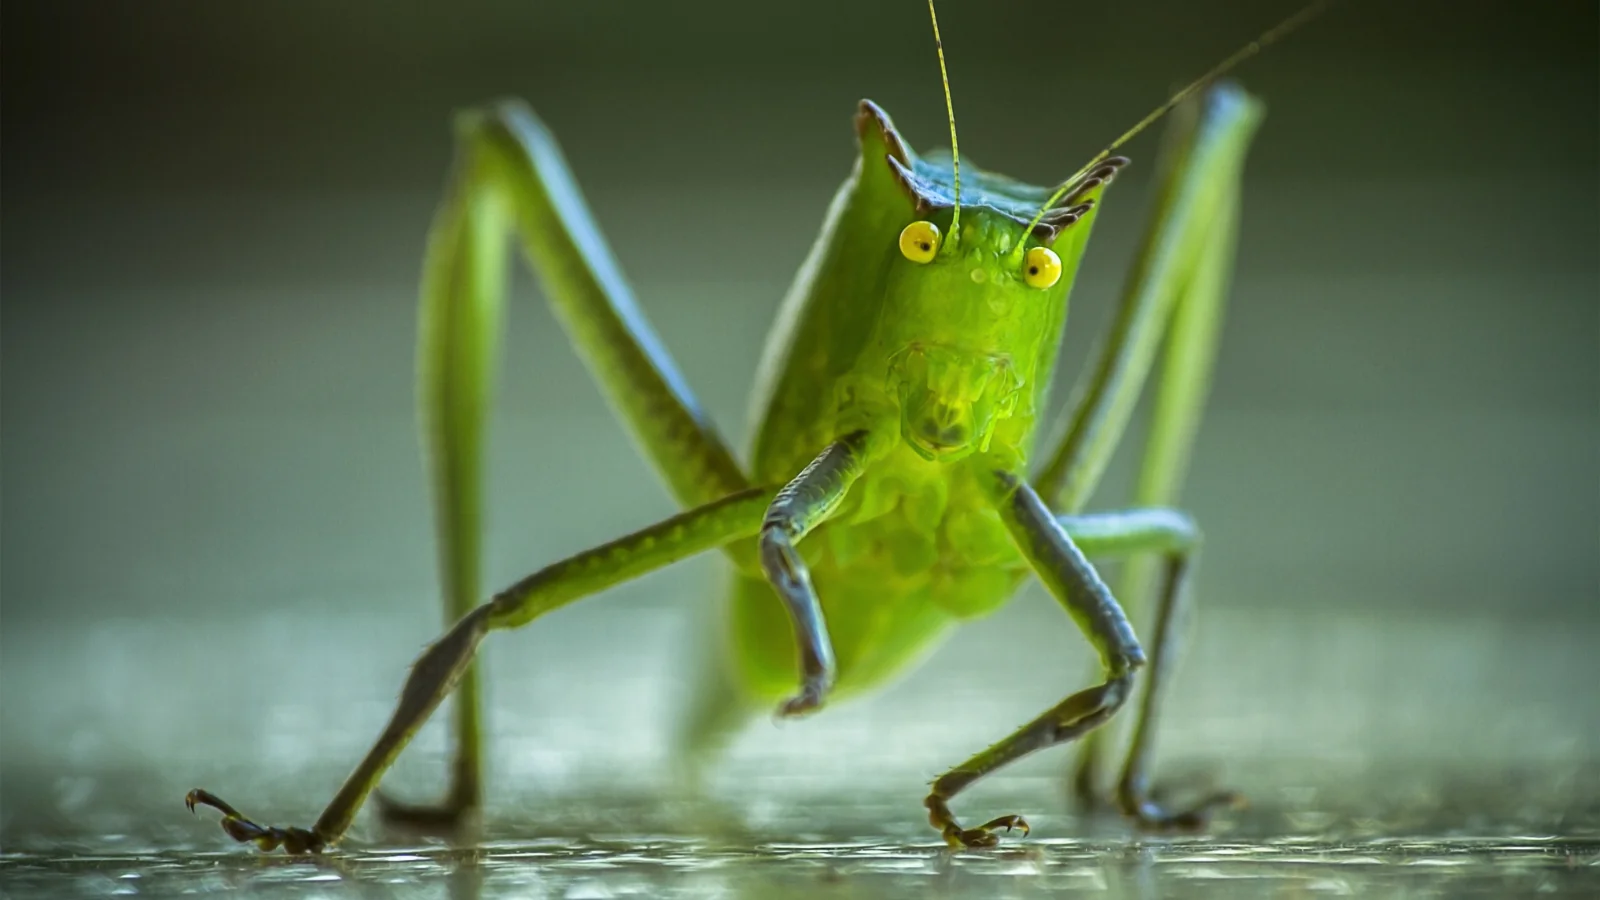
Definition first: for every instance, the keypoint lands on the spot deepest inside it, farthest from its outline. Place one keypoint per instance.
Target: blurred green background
(216, 541)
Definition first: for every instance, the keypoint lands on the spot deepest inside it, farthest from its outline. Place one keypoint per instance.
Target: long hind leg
(1180, 396)
(1175, 294)
(510, 176)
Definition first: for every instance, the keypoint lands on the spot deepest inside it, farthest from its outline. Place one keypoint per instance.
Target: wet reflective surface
(659, 867)
(1356, 789)
(217, 552)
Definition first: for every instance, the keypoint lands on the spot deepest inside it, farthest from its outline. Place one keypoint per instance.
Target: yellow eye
(1042, 268)
(920, 241)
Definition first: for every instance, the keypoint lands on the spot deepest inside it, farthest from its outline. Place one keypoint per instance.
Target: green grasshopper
(888, 493)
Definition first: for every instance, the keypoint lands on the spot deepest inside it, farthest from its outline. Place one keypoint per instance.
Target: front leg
(803, 504)
(1066, 571)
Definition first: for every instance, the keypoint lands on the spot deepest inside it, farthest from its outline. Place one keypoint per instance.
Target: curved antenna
(950, 113)
(1268, 38)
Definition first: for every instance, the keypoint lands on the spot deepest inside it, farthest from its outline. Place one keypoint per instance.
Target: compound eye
(1042, 268)
(920, 241)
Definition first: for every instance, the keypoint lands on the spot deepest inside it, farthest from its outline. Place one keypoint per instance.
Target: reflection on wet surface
(1381, 758)
(664, 867)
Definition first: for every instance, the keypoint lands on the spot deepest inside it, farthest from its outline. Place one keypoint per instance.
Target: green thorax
(946, 364)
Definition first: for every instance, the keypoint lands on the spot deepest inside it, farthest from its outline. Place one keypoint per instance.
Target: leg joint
(779, 560)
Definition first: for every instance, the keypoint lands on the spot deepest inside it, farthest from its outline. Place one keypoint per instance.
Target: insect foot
(266, 838)
(808, 701)
(969, 838)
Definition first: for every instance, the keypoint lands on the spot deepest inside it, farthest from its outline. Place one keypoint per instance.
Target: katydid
(890, 491)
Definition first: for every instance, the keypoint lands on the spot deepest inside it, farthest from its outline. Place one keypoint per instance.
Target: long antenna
(950, 112)
(1268, 38)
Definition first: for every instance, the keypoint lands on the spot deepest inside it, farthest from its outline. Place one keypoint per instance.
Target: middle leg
(441, 667)
(1175, 293)
(1172, 536)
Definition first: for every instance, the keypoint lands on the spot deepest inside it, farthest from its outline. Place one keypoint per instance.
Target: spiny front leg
(1066, 721)
(803, 504)
(1066, 571)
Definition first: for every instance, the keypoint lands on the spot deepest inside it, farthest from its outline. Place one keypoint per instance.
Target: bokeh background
(217, 553)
